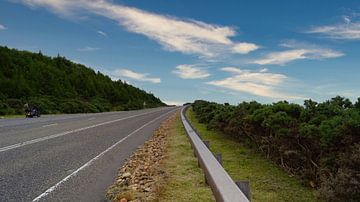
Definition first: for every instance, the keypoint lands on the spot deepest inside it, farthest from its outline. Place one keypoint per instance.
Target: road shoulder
(163, 169)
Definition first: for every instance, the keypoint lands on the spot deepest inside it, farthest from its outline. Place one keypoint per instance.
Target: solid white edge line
(53, 188)
(21, 144)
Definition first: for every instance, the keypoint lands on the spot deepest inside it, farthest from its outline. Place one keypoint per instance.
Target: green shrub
(45, 104)
(5, 109)
(310, 141)
(16, 105)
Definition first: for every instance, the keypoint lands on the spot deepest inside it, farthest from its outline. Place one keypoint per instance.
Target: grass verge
(267, 181)
(185, 180)
(12, 116)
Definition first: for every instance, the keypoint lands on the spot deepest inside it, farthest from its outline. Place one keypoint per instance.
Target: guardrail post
(244, 186)
(207, 143)
(218, 157)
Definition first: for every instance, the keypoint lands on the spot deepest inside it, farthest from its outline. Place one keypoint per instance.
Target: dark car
(32, 112)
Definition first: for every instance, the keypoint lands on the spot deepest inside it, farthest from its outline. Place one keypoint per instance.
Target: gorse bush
(57, 85)
(317, 142)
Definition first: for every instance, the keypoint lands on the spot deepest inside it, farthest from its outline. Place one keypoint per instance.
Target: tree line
(319, 143)
(57, 85)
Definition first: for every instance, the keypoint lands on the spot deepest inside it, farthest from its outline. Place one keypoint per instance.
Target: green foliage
(57, 85)
(313, 142)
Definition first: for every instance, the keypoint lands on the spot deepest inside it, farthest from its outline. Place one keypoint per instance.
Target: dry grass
(185, 180)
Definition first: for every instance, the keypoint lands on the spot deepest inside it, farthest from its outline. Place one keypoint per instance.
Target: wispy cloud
(190, 72)
(126, 73)
(88, 49)
(2, 27)
(347, 29)
(258, 83)
(297, 51)
(244, 48)
(102, 33)
(174, 34)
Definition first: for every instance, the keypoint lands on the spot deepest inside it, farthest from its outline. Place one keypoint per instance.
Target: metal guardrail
(222, 186)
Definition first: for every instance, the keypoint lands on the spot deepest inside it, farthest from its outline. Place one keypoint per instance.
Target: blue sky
(223, 51)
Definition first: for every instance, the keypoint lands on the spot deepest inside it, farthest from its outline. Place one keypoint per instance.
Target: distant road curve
(70, 157)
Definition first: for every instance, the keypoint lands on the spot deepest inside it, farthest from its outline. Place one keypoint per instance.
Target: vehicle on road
(32, 112)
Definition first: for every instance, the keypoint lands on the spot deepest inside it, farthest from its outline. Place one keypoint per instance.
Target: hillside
(57, 85)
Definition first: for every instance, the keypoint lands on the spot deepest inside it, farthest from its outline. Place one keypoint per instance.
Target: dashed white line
(53, 124)
(53, 188)
(92, 118)
(67, 132)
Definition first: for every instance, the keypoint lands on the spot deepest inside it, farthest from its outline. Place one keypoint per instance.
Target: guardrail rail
(221, 184)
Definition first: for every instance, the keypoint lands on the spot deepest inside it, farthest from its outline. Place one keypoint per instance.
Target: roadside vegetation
(318, 143)
(185, 180)
(57, 85)
(267, 181)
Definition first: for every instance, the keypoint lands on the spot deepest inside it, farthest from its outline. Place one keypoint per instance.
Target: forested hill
(57, 85)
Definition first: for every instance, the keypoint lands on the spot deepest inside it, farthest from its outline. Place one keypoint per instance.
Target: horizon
(181, 51)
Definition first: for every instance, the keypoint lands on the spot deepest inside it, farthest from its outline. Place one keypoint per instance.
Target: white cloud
(298, 51)
(234, 70)
(125, 73)
(244, 48)
(174, 34)
(190, 72)
(346, 30)
(102, 33)
(88, 49)
(2, 27)
(177, 103)
(257, 83)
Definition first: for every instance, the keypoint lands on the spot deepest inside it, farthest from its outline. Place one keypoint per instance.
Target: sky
(223, 51)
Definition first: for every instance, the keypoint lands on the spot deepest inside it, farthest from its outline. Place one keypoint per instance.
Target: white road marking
(87, 164)
(66, 132)
(92, 118)
(53, 124)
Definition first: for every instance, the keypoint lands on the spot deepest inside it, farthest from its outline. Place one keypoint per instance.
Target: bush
(46, 105)
(77, 106)
(310, 141)
(102, 105)
(5, 109)
(344, 184)
(16, 105)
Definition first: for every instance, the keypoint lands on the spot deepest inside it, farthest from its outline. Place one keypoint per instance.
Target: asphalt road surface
(70, 157)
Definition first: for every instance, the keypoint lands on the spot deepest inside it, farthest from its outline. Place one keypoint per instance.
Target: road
(70, 157)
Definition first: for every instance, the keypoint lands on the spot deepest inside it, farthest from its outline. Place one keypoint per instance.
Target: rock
(126, 175)
(123, 200)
